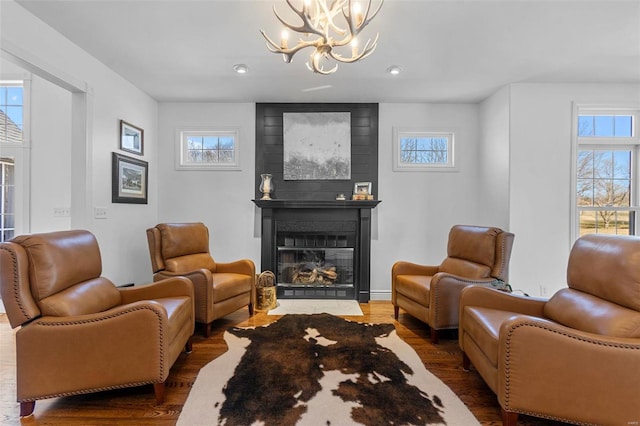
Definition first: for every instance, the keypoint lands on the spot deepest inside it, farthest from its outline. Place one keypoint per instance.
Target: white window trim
(21, 152)
(596, 143)
(181, 148)
(398, 166)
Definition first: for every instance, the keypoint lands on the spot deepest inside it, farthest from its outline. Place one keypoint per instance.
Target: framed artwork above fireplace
(316, 145)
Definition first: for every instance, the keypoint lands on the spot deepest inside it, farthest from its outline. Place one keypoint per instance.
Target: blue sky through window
(11, 103)
(617, 126)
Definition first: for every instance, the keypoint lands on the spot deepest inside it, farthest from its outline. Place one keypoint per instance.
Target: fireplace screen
(314, 261)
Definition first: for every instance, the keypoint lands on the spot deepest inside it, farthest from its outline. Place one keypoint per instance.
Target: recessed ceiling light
(241, 68)
(394, 70)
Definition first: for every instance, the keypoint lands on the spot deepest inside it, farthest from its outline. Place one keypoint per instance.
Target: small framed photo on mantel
(131, 138)
(362, 191)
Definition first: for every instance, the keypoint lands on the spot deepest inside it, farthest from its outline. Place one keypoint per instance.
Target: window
(7, 204)
(606, 172)
(423, 151)
(11, 111)
(208, 149)
(12, 120)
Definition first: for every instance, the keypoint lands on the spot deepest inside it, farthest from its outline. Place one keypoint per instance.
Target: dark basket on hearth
(266, 291)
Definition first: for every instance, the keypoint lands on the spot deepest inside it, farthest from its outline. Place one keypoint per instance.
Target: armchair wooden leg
(434, 336)
(396, 312)
(158, 389)
(250, 309)
(189, 346)
(26, 408)
(207, 330)
(509, 418)
(466, 362)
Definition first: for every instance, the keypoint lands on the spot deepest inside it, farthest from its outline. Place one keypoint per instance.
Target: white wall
(493, 159)
(121, 237)
(50, 155)
(540, 176)
(419, 208)
(220, 199)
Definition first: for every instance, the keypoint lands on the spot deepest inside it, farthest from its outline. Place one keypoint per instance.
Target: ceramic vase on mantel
(266, 186)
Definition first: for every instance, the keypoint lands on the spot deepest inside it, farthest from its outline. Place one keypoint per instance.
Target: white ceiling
(450, 50)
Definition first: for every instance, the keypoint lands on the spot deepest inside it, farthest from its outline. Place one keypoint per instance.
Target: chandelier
(319, 21)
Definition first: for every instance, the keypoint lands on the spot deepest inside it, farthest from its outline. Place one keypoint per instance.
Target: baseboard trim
(380, 295)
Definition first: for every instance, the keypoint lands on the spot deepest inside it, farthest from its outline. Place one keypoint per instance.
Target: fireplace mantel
(316, 204)
(287, 214)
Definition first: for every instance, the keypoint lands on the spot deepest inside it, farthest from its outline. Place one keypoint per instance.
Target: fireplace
(317, 249)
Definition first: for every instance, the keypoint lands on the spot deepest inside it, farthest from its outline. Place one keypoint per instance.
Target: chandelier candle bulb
(284, 39)
(354, 47)
(357, 11)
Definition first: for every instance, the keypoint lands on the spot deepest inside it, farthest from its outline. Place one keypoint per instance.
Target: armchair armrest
(243, 266)
(495, 299)
(444, 298)
(409, 268)
(548, 369)
(202, 280)
(65, 351)
(170, 287)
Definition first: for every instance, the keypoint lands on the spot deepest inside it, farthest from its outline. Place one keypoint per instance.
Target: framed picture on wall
(129, 179)
(131, 138)
(316, 145)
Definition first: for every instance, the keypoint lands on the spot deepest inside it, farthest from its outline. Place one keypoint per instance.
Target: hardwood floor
(136, 406)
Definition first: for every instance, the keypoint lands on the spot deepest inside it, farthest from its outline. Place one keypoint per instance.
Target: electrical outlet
(543, 291)
(61, 212)
(100, 212)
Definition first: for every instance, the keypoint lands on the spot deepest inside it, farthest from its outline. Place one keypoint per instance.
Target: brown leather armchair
(182, 249)
(476, 255)
(575, 357)
(80, 333)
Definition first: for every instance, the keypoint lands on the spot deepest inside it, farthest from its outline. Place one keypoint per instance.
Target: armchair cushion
(464, 268)
(227, 285)
(606, 268)
(582, 311)
(415, 287)
(180, 239)
(473, 243)
(95, 295)
(190, 262)
(64, 274)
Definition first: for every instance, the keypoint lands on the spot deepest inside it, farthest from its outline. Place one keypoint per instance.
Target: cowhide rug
(320, 370)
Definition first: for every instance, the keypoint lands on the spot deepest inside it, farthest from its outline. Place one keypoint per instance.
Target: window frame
(611, 143)
(399, 133)
(20, 152)
(181, 147)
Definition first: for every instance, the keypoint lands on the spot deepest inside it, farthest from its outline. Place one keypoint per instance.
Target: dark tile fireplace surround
(318, 247)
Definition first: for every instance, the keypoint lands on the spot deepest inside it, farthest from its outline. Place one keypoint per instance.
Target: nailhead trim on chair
(162, 363)
(15, 283)
(502, 257)
(553, 330)
(56, 395)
